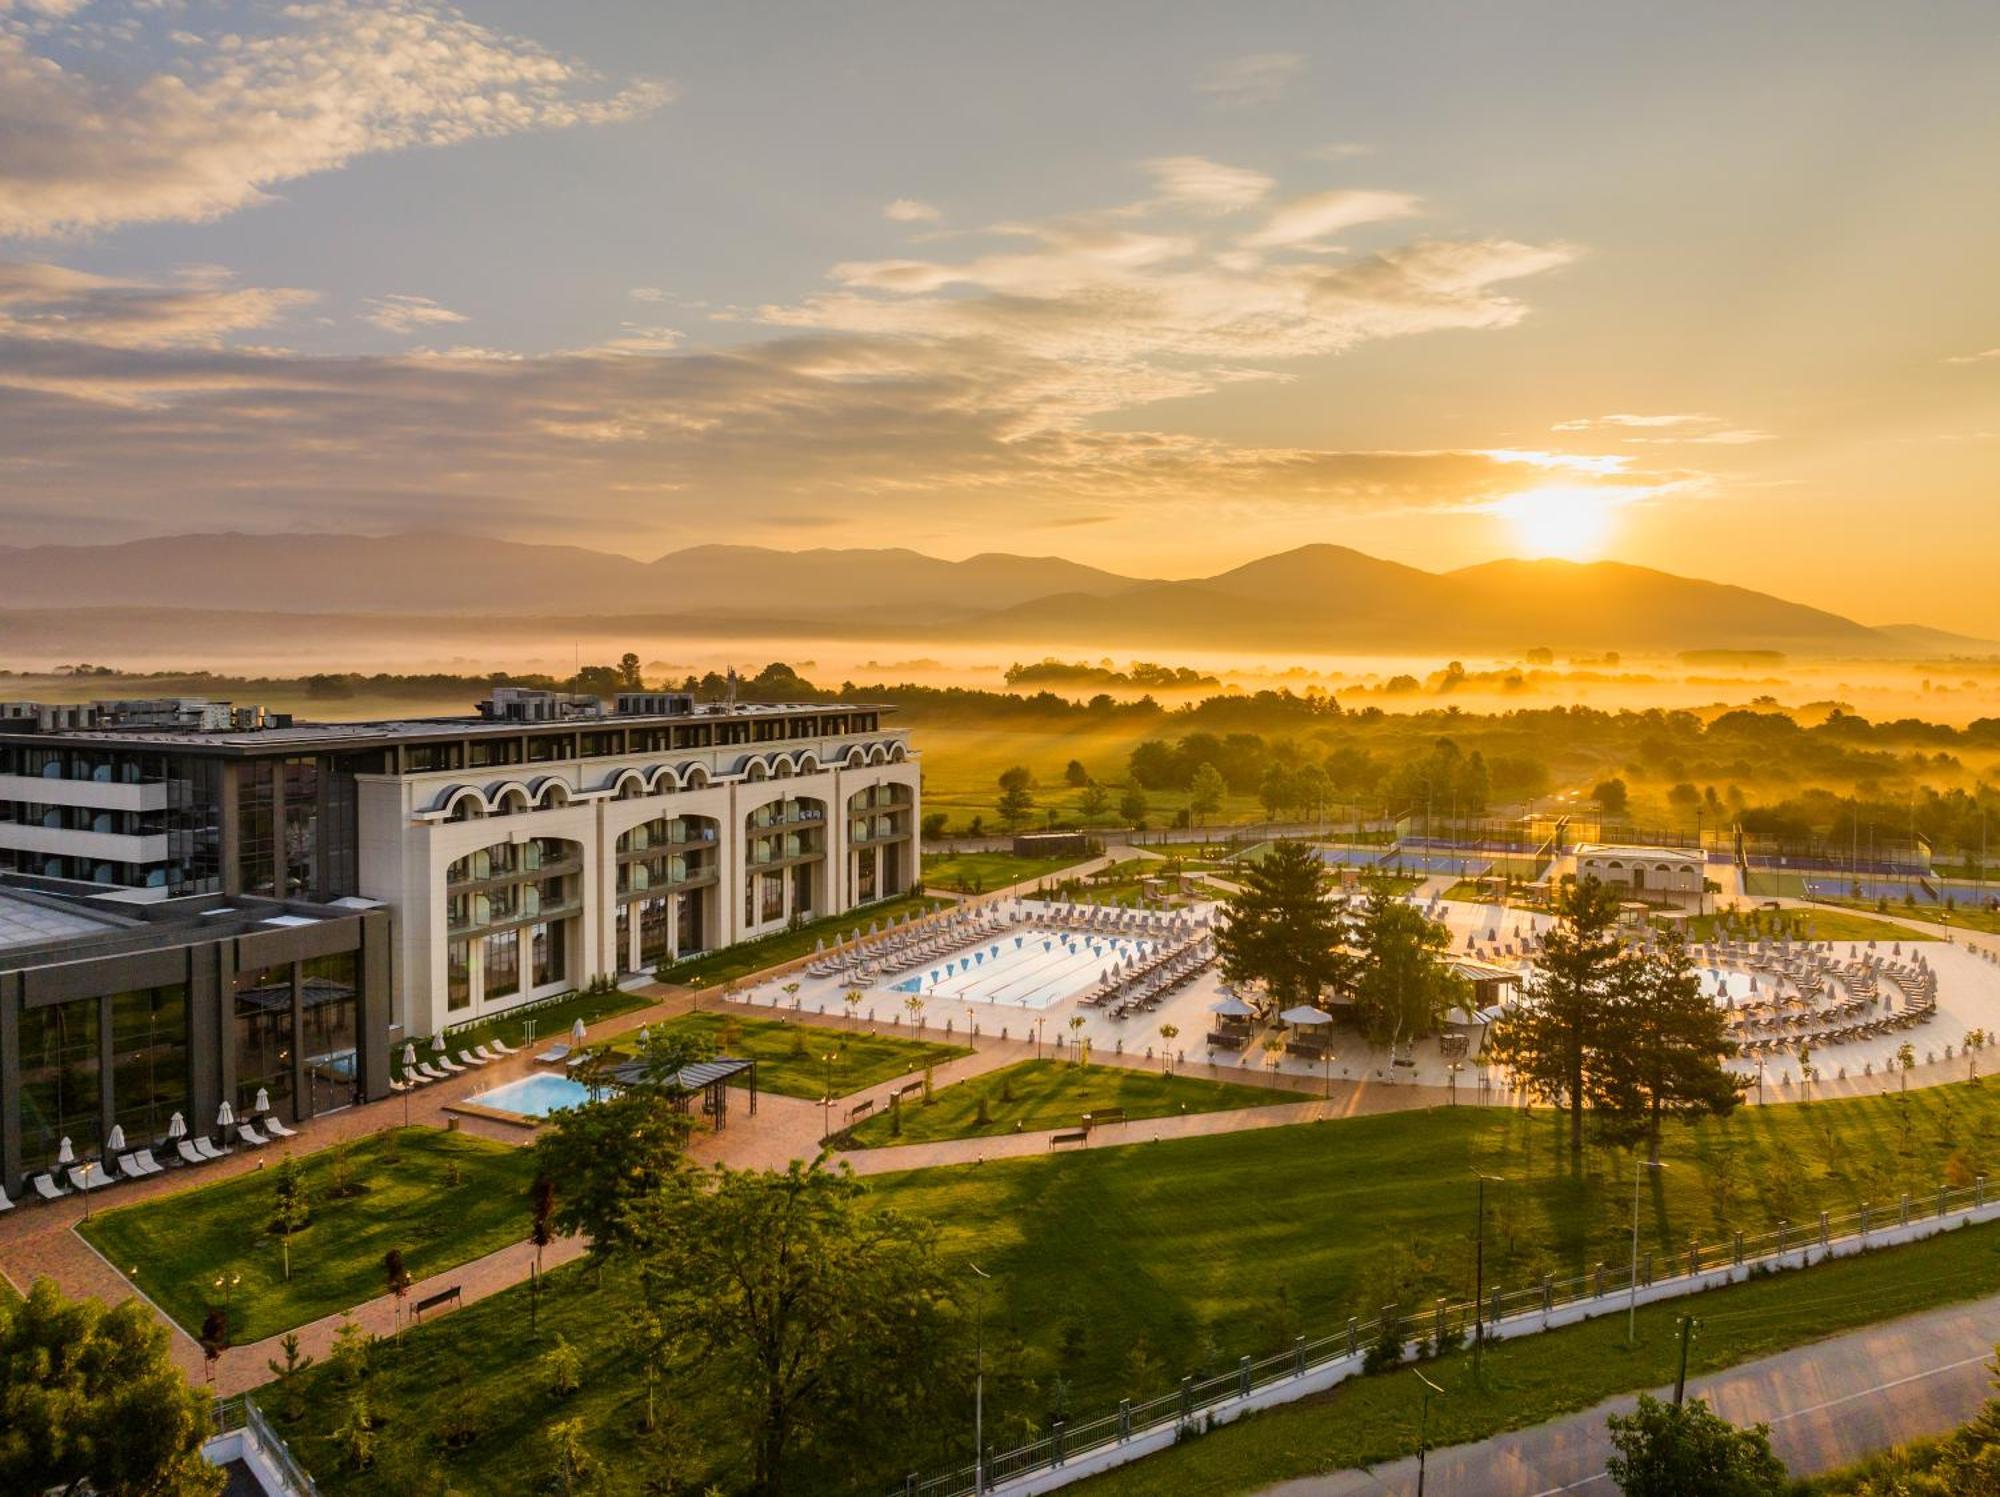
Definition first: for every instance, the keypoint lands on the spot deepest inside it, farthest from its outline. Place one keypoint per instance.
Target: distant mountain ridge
(1324, 599)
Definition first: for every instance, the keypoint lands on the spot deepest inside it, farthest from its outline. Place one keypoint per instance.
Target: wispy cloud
(647, 294)
(1696, 428)
(85, 150)
(911, 211)
(1983, 356)
(1307, 221)
(408, 314)
(1256, 78)
(1208, 186)
(52, 303)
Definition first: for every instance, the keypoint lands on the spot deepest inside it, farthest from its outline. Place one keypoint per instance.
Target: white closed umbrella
(437, 1043)
(177, 1128)
(263, 1103)
(115, 1144)
(576, 1032)
(65, 1153)
(409, 1056)
(645, 1034)
(225, 1115)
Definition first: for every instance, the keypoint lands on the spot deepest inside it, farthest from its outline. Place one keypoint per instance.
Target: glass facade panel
(263, 1042)
(256, 834)
(457, 975)
(654, 915)
(330, 991)
(549, 963)
(149, 1059)
(61, 1078)
(301, 825)
(501, 959)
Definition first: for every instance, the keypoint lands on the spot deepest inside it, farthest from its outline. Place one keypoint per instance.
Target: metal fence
(1507, 1312)
(241, 1413)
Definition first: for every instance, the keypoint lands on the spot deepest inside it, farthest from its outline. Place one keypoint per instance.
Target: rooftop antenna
(729, 697)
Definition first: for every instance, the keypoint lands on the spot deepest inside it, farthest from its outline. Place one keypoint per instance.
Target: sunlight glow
(1558, 520)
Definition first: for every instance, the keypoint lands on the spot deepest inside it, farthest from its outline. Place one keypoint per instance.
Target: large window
(264, 1050)
(330, 990)
(501, 960)
(301, 826)
(61, 1074)
(549, 963)
(457, 976)
(655, 915)
(149, 1059)
(256, 833)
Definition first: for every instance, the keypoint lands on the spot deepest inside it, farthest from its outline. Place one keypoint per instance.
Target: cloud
(1340, 150)
(51, 303)
(1258, 78)
(407, 314)
(1693, 427)
(647, 293)
(1306, 221)
(910, 211)
(1207, 186)
(82, 151)
(1975, 358)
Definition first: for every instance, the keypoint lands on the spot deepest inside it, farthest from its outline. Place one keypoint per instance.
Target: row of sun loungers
(441, 1067)
(140, 1164)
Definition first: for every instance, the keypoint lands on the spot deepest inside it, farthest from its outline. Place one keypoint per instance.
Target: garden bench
(862, 1110)
(432, 1301)
(1071, 1136)
(1102, 1116)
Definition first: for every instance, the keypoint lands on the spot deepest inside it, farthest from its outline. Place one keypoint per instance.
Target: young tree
(1276, 791)
(1402, 986)
(90, 1400)
(1075, 775)
(1016, 797)
(292, 1210)
(1669, 1042)
(611, 1153)
(1133, 806)
(1664, 1450)
(1094, 801)
(1553, 1038)
(1205, 792)
(1611, 796)
(541, 1216)
(288, 1374)
(823, 1324)
(396, 1274)
(1283, 932)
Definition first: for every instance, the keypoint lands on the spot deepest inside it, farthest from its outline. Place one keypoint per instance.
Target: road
(1828, 1405)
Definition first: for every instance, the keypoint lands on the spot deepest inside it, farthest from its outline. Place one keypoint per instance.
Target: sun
(1558, 520)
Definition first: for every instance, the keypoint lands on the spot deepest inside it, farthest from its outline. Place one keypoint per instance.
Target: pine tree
(1668, 1047)
(1282, 930)
(1402, 987)
(1552, 1039)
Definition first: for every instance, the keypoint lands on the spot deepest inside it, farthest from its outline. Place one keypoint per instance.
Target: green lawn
(733, 963)
(1372, 1420)
(1119, 1268)
(791, 1057)
(179, 1244)
(1821, 924)
(1056, 1094)
(979, 872)
(550, 1020)
(1961, 918)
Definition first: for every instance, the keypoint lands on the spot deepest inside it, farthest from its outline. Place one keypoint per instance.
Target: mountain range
(1322, 599)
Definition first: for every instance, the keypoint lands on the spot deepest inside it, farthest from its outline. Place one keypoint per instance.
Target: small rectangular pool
(533, 1096)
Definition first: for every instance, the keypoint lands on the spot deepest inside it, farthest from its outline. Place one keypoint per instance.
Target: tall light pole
(1479, 1273)
(1424, 1428)
(1639, 1168)
(979, 1388)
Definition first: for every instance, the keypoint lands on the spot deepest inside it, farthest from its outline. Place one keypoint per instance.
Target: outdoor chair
(47, 1189)
(248, 1133)
(186, 1150)
(206, 1147)
(430, 1073)
(482, 1053)
(277, 1129)
(82, 1178)
(468, 1060)
(147, 1164)
(446, 1064)
(501, 1049)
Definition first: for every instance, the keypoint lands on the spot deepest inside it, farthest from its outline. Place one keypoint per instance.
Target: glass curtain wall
(61, 1081)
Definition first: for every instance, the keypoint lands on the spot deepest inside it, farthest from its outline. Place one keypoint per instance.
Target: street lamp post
(979, 1388)
(1639, 1168)
(826, 1102)
(1424, 1428)
(1479, 1273)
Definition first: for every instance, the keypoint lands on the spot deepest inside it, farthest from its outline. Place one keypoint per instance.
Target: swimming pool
(534, 1096)
(1031, 969)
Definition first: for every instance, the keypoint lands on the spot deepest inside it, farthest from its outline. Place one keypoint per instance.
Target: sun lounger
(129, 1167)
(249, 1134)
(277, 1129)
(47, 1189)
(431, 1073)
(5, 1204)
(148, 1165)
(501, 1049)
(480, 1052)
(88, 1177)
(467, 1059)
(446, 1064)
(206, 1147)
(553, 1055)
(186, 1150)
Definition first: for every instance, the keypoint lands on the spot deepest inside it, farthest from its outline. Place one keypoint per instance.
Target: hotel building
(225, 862)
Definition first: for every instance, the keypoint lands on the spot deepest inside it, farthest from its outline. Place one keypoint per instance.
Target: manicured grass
(1962, 918)
(733, 963)
(980, 872)
(1371, 1420)
(791, 1056)
(179, 1244)
(1820, 923)
(1056, 1094)
(551, 1020)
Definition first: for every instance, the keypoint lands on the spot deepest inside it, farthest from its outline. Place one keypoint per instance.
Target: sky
(1158, 287)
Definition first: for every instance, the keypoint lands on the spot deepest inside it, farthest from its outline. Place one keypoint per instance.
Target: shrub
(562, 1368)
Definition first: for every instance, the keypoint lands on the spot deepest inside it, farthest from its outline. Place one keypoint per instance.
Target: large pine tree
(1402, 987)
(1554, 1038)
(1668, 1044)
(1284, 932)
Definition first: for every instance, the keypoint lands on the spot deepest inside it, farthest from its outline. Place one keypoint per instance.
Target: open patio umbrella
(262, 1104)
(177, 1128)
(1232, 1007)
(1305, 1014)
(115, 1144)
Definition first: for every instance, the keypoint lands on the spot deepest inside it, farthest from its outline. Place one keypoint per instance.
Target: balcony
(100, 847)
(98, 795)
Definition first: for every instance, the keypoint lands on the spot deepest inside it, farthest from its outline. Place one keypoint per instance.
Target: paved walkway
(1828, 1405)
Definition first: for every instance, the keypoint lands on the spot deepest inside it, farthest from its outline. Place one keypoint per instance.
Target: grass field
(1197, 1251)
(1038, 1094)
(1959, 919)
(791, 1057)
(1821, 923)
(980, 872)
(179, 1244)
(549, 1019)
(1372, 1420)
(733, 963)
